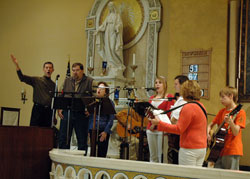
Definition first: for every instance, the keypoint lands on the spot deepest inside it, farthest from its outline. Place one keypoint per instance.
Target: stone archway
(142, 25)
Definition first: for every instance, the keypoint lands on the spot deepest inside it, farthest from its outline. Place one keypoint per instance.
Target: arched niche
(142, 22)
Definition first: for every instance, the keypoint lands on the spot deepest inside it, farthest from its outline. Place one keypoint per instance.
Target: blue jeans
(80, 123)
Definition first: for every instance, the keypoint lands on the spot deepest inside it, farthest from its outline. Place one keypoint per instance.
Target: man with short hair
(173, 139)
(43, 88)
(80, 86)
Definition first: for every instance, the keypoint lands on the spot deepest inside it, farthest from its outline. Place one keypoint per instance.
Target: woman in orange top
(233, 147)
(191, 127)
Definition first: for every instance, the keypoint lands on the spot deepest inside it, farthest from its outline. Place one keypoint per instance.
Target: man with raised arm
(43, 88)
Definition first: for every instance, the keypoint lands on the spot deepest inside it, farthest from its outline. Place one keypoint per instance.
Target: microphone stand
(93, 138)
(95, 130)
(104, 106)
(52, 102)
(124, 153)
(98, 124)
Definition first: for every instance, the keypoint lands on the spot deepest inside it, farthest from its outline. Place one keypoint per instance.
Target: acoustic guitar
(173, 139)
(149, 114)
(152, 112)
(218, 139)
(134, 123)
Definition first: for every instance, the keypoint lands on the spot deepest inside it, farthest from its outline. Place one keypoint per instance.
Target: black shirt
(43, 88)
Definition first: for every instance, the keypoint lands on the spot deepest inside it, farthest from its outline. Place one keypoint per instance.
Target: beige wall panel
(35, 32)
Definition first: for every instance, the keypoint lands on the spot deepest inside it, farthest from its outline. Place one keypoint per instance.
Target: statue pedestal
(116, 72)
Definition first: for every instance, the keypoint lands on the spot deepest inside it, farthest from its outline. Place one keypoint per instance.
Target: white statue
(109, 41)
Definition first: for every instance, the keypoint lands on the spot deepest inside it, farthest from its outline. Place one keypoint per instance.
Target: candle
(23, 91)
(90, 61)
(133, 59)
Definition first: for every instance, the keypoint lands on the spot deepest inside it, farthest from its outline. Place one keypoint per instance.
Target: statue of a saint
(109, 41)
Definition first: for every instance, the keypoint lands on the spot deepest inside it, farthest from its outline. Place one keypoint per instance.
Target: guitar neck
(218, 128)
(236, 110)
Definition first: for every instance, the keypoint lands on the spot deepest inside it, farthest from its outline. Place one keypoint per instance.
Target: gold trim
(91, 23)
(132, 14)
(154, 15)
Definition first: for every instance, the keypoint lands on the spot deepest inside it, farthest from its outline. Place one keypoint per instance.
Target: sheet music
(162, 117)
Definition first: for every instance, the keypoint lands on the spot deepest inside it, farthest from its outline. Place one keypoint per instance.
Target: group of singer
(187, 128)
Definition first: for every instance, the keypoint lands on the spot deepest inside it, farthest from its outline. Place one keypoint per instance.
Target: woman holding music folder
(103, 123)
(191, 126)
(233, 147)
(159, 100)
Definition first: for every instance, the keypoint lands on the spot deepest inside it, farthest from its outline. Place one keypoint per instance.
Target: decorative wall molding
(243, 66)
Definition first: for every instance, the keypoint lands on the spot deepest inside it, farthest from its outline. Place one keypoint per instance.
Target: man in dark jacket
(79, 85)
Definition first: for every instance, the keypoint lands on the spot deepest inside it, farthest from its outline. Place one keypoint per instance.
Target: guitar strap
(200, 107)
(165, 112)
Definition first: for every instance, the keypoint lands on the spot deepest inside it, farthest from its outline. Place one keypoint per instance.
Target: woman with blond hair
(153, 135)
(191, 126)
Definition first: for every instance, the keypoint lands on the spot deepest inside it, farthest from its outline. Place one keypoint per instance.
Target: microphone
(116, 87)
(148, 89)
(89, 92)
(129, 89)
(57, 76)
(103, 87)
(171, 98)
(144, 88)
(56, 87)
(164, 99)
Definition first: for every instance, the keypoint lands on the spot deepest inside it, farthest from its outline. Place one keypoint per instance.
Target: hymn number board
(196, 66)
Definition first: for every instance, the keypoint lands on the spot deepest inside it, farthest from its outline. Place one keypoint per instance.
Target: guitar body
(217, 144)
(133, 126)
(121, 128)
(150, 114)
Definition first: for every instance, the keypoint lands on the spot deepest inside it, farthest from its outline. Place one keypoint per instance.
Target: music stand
(105, 107)
(140, 108)
(105, 104)
(69, 104)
